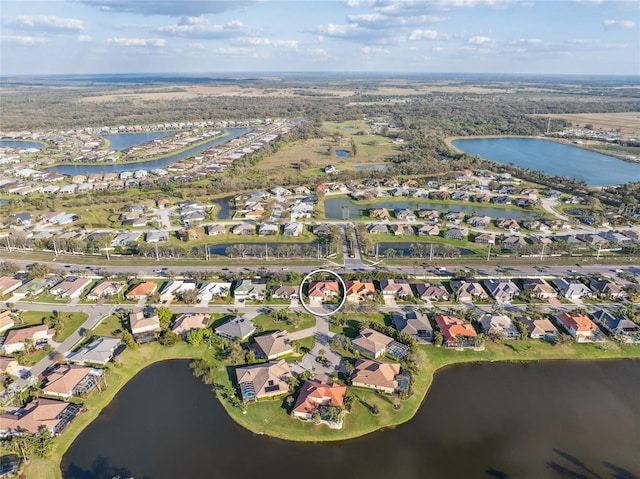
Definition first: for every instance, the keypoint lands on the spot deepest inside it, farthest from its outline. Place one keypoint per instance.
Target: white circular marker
(344, 292)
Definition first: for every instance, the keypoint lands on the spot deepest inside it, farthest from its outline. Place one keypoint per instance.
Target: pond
(122, 141)
(258, 247)
(333, 208)
(405, 248)
(83, 169)
(553, 158)
(342, 153)
(22, 144)
(554, 419)
(224, 207)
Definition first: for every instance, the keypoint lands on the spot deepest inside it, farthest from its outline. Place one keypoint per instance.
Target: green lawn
(30, 318)
(268, 324)
(73, 322)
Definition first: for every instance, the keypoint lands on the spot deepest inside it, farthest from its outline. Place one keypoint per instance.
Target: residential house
(208, 291)
(501, 200)
(571, 289)
(525, 202)
(16, 339)
(176, 288)
(539, 288)
(323, 229)
(414, 324)
(6, 320)
(455, 216)
(377, 229)
(284, 291)
(263, 380)
(217, 229)
(620, 327)
(485, 238)
(105, 289)
(144, 328)
(431, 215)
(9, 366)
(357, 290)
(238, 327)
(157, 237)
(376, 375)
(428, 230)
(268, 229)
(403, 213)
(579, 326)
(479, 221)
(540, 328)
(320, 290)
(431, 292)
(142, 290)
(456, 332)
(401, 229)
(99, 351)
(293, 229)
(317, 394)
(468, 290)
(458, 234)
(371, 343)
(250, 289)
(273, 345)
(380, 213)
(8, 284)
(35, 286)
(605, 288)
(398, 288)
(72, 287)
(65, 382)
(244, 229)
(513, 243)
(508, 223)
(188, 322)
(499, 323)
(51, 414)
(23, 219)
(501, 290)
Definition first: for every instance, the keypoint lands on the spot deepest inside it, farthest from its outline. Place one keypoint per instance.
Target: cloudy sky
(484, 36)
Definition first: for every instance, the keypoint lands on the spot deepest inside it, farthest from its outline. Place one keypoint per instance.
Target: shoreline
(435, 359)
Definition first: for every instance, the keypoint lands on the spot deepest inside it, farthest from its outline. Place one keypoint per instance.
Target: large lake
(84, 169)
(121, 141)
(21, 144)
(564, 419)
(333, 208)
(553, 158)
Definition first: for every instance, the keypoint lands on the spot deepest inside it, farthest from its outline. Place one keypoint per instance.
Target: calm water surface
(572, 420)
(553, 158)
(20, 144)
(122, 141)
(333, 208)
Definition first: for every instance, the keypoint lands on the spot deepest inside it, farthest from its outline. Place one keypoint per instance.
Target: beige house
(144, 325)
(68, 381)
(54, 415)
(274, 345)
(16, 338)
(6, 320)
(376, 375)
(263, 380)
(70, 288)
(8, 284)
(189, 321)
(372, 343)
(105, 289)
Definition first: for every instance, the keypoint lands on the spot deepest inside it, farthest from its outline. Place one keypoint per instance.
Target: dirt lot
(627, 123)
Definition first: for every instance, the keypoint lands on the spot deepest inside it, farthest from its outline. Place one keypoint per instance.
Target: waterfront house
(372, 343)
(428, 230)
(499, 323)
(378, 229)
(380, 213)
(72, 287)
(323, 229)
(188, 322)
(457, 234)
(16, 339)
(217, 229)
(236, 328)
(99, 351)
(142, 290)
(456, 332)
(620, 327)
(263, 380)
(268, 229)
(431, 292)
(157, 237)
(401, 229)
(485, 239)
(244, 229)
(51, 414)
(293, 229)
(144, 328)
(67, 381)
(273, 345)
(579, 326)
(315, 395)
(414, 324)
(376, 375)
(540, 328)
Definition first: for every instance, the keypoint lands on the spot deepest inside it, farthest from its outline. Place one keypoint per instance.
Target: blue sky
(483, 36)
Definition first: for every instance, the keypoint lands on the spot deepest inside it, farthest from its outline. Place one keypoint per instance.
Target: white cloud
(374, 51)
(423, 35)
(137, 42)
(173, 8)
(479, 40)
(22, 40)
(526, 41)
(197, 28)
(196, 45)
(266, 42)
(234, 50)
(85, 38)
(318, 54)
(619, 24)
(49, 24)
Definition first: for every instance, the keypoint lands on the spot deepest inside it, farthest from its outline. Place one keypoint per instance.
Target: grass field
(268, 324)
(627, 123)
